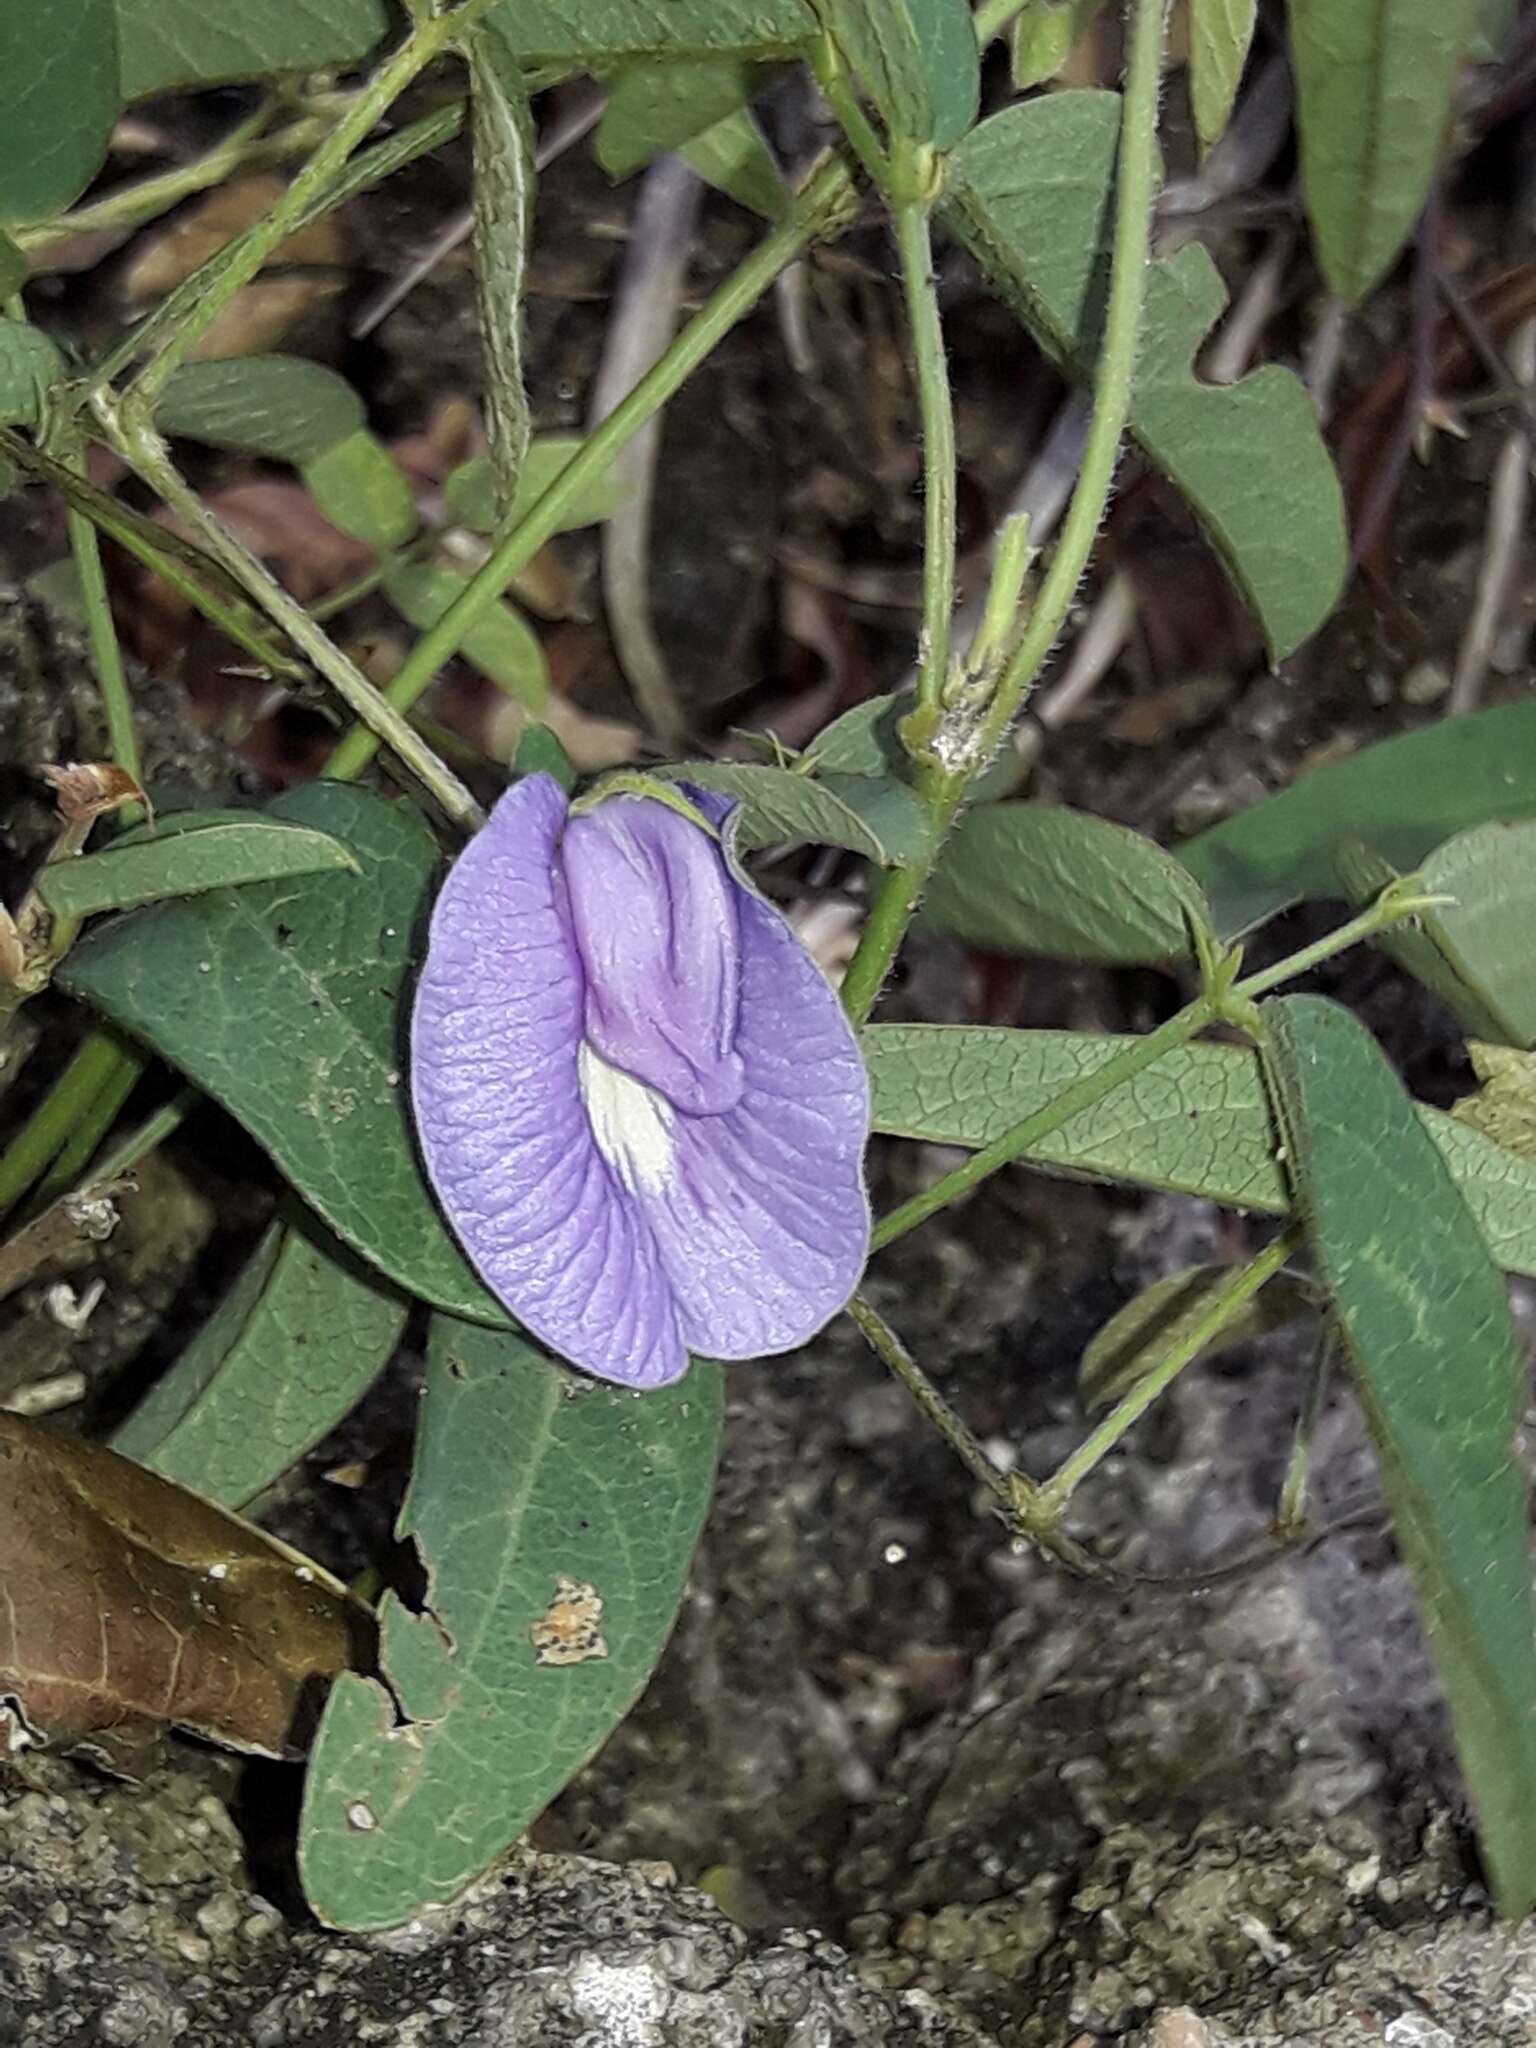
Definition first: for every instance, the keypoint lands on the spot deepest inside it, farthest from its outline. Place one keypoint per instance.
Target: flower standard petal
(509, 1147)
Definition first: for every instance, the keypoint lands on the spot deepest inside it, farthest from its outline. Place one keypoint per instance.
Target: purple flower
(639, 1102)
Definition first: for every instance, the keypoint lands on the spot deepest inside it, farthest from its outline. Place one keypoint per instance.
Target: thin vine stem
(947, 770)
(106, 654)
(37, 1144)
(936, 406)
(821, 207)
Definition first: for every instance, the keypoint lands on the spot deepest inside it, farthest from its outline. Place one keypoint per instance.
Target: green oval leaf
(1478, 951)
(283, 407)
(285, 1001)
(880, 820)
(1220, 32)
(295, 1343)
(1402, 798)
(1373, 97)
(186, 861)
(361, 488)
(1441, 1376)
(59, 97)
(1196, 1123)
(1038, 878)
(655, 107)
(1029, 194)
(1138, 1337)
(556, 1519)
(917, 60)
(30, 366)
(469, 495)
(1043, 37)
(501, 643)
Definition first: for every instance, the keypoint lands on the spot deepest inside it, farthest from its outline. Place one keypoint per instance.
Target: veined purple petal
(654, 910)
(592, 986)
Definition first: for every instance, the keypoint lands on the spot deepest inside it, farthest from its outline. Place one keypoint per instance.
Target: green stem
(820, 207)
(974, 743)
(106, 654)
(98, 1118)
(145, 1137)
(426, 41)
(1063, 1483)
(938, 419)
(888, 1347)
(1291, 1514)
(1124, 1066)
(1392, 906)
(142, 447)
(47, 1130)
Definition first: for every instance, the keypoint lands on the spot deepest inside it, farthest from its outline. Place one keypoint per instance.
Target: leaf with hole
(293, 1346)
(1195, 1123)
(187, 860)
(1153, 1323)
(469, 495)
(59, 95)
(916, 59)
(880, 820)
(1373, 101)
(1029, 194)
(1477, 951)
(1041, 879)
(286, 1002)
(1440, 1372)
(501, 643)
(133, 1605)
(1402, 797)
(1220, 32)
(556, 1519)
(361, 488)
(283, 407)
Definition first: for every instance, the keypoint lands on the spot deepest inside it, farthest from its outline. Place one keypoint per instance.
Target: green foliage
(1373, 93)
(14, 265)
(171, 43)
(539, 752)
(29, 368)
(733, 157)
(283, 407)
(1029, 194)
(535, 1497)
(880, 820)
(1220, 32)
(285, 1002)
(186, 861)
(1138, 1337)
(1477, 952)
(654, 107)
(58, 100)
(361, 488)
(471, 499)
(501, 644)
(1044, 35)
(1038, 878)
(916, 59)
(1195, 1123)
(1401, 798)
(293, 1345)
(1439, 1367)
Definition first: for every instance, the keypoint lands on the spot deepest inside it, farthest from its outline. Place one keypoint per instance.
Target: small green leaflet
(654, 107)
(294, 1344)
(59, 95)
(283, 407)
(1028, 193)
(880, 820)
(1196, 1123)
(361, 488)
(1044, 35)
(1220, 32)
(501, 643)
(1039, 878)
(30, 366)
(1402, 798)
(916, 59)
(184, 862)
(1373, 99)
(1136, 1340)
(556, 1518)
(1441, 1377)
(470, 498)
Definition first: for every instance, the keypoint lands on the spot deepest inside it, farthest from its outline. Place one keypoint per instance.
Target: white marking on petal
(631, 1123)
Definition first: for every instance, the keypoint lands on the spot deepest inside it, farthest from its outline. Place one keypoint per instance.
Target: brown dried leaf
(1504, 1108)
(128, 1604)
(169, 254)
(87, 790)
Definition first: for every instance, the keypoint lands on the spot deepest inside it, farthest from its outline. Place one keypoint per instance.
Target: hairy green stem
(1124, 1066)
(936, 407)
(820, 207)
(143, 448)
(956, 758)
(1244, 1285)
